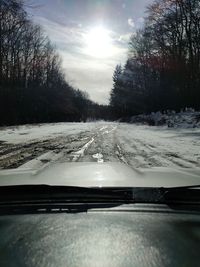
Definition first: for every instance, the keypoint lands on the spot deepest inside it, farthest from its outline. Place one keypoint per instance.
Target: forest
(162, 71)
(163, 67)
(32, 83)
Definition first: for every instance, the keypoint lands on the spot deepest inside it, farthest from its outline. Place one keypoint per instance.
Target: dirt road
(137, 146)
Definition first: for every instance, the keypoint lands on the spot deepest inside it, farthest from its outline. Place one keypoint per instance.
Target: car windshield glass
(100, 93)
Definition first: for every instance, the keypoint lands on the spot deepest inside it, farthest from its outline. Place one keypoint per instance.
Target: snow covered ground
(29, 133)
(147, 146)
(137, 146)
(184, 119)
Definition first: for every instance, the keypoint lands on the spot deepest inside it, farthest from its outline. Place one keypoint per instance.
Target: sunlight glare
(98, 42)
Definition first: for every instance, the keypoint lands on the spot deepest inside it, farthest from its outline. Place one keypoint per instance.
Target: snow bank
(184, 119)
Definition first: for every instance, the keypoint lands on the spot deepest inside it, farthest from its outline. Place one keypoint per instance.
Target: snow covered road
(137, 146)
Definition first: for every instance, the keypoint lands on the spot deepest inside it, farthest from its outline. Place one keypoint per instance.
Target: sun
(98, 42)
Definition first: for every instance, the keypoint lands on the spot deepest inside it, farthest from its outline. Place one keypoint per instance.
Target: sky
(91, 37)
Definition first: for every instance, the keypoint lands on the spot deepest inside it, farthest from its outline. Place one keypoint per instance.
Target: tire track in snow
(148, 154)
(168, 156)
(103, 128)
(120, 155)
(102, 149)
(109, 131)
(16, 155)
(80, 152)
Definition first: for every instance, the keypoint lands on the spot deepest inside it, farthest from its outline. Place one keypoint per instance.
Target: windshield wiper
(167, 195)
(71, 194)
(182, 194)
(60, 193)
(35, 198)
(46, 198)
(184, 187)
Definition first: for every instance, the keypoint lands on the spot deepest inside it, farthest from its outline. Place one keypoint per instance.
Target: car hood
(100, 175)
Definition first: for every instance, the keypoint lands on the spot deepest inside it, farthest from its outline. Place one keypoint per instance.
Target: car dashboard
(128, 235)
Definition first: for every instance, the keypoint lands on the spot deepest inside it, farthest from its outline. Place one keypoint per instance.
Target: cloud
(83, 71)
(91, 74)
(131, 23)
(125, 38)
(140, 22)
(70, 35)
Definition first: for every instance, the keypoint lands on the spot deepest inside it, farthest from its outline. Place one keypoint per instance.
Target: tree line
(163, 67)
(32, 84)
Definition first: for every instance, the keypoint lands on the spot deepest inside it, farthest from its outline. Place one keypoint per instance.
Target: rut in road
(70, 148)
(138, 147)
(150, 147)
(101, 147)
(13, 156)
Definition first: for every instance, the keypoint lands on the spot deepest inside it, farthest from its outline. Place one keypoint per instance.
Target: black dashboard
(129, 235)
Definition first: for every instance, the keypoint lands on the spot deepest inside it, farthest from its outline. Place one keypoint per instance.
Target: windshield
(88, 85)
